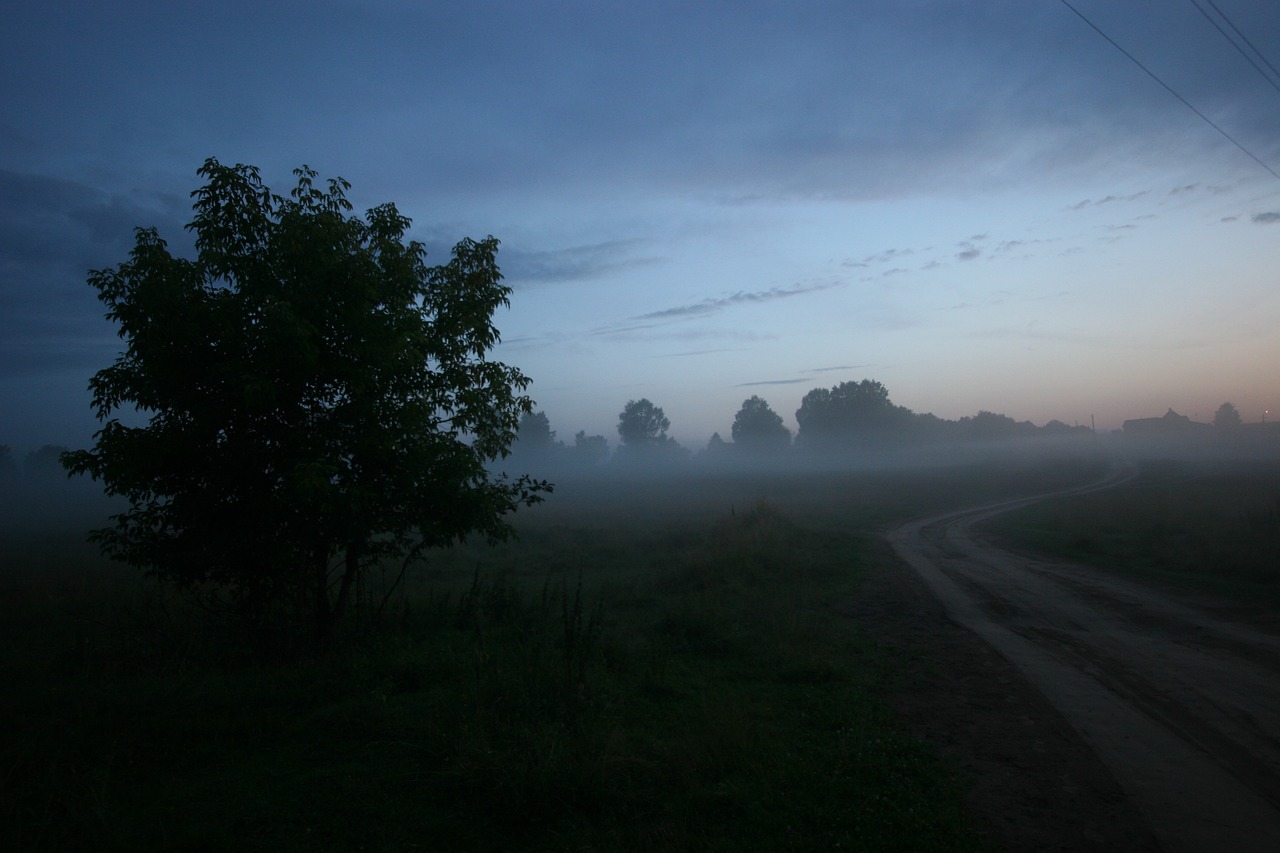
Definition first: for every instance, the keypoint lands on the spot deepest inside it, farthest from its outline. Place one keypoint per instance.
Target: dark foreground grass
(1199, 527)
(662, 686)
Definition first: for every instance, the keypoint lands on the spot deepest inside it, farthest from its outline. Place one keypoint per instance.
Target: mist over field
(639, 426)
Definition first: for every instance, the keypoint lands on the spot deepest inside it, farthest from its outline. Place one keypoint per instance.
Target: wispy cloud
(969, 249)
(573, 263)
(770, 382)
(1266, 218)
(1111, 199)
(878, 258)
(742, 297)
(837, 367)
(699, 352)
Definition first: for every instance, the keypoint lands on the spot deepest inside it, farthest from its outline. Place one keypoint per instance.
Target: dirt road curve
(1183, 706)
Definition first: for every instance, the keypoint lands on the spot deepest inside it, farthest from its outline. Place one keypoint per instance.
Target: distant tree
(45, 463)
(643, 429)
(535, 434)
(1227, 417)
(717, 447)
(642, 424)
(988, 426)
(759, 429)
(852, 414)
(8, 467)
(319, 399)
(590, 449)
(928, 427)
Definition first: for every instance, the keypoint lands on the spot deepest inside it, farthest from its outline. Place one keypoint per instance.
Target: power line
(1244, 38)
(1169, 89)
(1236, 44)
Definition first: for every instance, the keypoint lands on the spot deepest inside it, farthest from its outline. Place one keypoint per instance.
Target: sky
(982, 204)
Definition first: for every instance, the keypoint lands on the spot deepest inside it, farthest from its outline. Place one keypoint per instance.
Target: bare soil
(1089, 713)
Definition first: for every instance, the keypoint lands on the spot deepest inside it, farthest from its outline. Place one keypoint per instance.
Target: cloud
(879, 257)
(52, 232)
(968, 251)
(770, 382)
(713, 305)
(1266, 218)
(1111, 199)
(836, 367)
(699, 352)
(574, 263)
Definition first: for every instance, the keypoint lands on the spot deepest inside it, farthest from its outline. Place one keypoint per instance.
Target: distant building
(1171, 423)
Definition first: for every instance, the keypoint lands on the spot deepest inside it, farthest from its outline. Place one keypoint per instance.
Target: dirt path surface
(1110, 715)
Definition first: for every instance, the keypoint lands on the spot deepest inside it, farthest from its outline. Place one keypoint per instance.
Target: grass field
(1201, 527)
(651, 666)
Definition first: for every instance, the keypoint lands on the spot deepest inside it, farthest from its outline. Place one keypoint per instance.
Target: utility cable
(1236, 44)
(1244, 38)
(1169, 89)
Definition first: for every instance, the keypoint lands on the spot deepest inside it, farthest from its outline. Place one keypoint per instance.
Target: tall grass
(671, 684)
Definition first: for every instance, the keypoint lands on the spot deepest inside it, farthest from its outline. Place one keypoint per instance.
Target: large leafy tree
(759, 429)
(316, 398)
(641, 424)
(850, 415)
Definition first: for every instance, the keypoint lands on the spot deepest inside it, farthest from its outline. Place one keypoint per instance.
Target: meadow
(651, 665)
(1199, 527)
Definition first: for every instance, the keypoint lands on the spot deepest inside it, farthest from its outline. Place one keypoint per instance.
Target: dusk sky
(982, 205)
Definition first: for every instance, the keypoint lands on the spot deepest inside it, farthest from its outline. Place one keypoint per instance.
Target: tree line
(40, 464)
(848, 418)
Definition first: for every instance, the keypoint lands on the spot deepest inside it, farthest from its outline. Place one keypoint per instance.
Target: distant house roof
(1170, 422)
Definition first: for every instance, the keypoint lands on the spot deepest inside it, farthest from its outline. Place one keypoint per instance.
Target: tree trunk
(350, 572)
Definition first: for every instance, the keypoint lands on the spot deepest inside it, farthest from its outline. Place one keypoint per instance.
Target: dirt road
(1181, 704)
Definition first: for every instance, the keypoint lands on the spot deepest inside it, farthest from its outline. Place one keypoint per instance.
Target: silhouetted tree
(643, 429)
(319, 399)
(759, 429)
(642, 424)
(45, 463)
(852, 414)
(988, 426)
(1227, 417)
(535, 434)
(1056, 427)
(717, 447)
(590, 450)
(8, 467)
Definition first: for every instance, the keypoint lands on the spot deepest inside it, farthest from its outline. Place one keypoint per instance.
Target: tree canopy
(641, 423)
(758, 428)
(316, 397)
(535, 435)
(1227, 417)
(849, 415)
